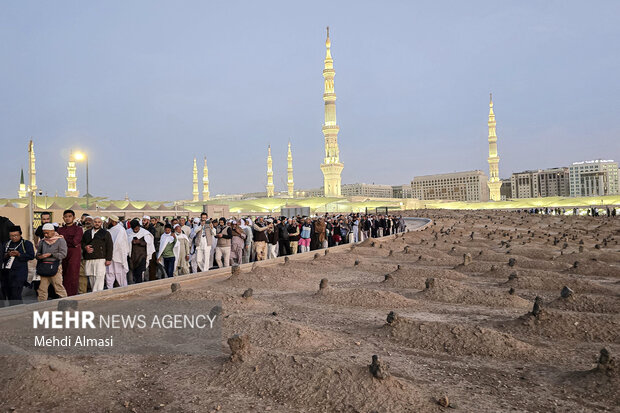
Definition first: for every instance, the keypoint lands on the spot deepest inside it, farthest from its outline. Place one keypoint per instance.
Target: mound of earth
(587, 303)
(279, 277)
(280, 334)
(41, 378)
(228, 301)
(459, 340)
(450, 291)
(597, 268)
(415, 277)
(477, 266)
(554, 324)
(503, 272)
(532, 252)
(311, 385)
(597, 385)
(553, 283)
(361, 297)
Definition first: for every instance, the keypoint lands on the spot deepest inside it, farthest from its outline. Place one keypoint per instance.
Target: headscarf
(51, 240)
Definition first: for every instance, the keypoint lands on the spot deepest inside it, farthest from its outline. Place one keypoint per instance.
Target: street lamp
(80, 156)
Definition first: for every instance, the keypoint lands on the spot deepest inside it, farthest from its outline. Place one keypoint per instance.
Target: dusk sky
(145, 86)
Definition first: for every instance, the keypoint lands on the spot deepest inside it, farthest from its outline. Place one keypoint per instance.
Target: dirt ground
(461, 335)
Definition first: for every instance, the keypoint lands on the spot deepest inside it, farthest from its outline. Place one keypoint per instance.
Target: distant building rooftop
(594, 161)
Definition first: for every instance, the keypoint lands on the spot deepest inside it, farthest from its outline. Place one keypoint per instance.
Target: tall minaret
(269, 174)
(32, 169)
(195, 189)
(71, 178)
(494, 182)
(289, 170)
(205, 182)
(22, 187)
(331, 167)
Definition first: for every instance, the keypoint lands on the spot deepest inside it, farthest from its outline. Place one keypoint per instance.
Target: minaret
(331, 167)
(22, 187)
(195, 189)
(32, 169)
(205, 182)
(289, 170)
(71, 178)
(269, 174)
(494, 182)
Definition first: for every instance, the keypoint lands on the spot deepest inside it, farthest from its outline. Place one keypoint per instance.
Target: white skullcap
(48, 227)
(146, 217)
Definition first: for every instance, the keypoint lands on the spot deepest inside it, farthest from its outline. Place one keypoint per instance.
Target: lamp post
(30, 214)
(30, 191)
(80, 156)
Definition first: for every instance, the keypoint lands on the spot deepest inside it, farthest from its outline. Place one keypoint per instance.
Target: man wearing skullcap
(87, 224)
(52, 248)
(223, 233)
(182, 261)
(97, 247)
(157, 229)
(272, 236)
(237, 242)
(246, 226)
(259, 235)
(203, 242)
(142, 248)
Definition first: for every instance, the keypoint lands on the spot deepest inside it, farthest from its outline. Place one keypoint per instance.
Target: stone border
(219, 274)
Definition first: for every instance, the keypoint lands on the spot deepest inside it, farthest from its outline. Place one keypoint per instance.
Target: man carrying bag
(51, 251)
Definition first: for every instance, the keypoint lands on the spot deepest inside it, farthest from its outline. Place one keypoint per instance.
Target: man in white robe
(119, 267)
(182, 262)
(203, 242)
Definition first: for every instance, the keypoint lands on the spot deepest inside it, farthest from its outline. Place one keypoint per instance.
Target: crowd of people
(591, 212)
(96, 253)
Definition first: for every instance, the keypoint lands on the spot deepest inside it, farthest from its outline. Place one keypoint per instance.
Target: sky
(143, 87)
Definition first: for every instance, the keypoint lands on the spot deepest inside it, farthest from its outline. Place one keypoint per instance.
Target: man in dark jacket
(156, 228)
(382, 226)
(283, 235)
(223, 234)
(259, 235)
(46, 217)
(293, 234)
(5, 225)
(273, 237)
(97, 248)
(14, 266)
